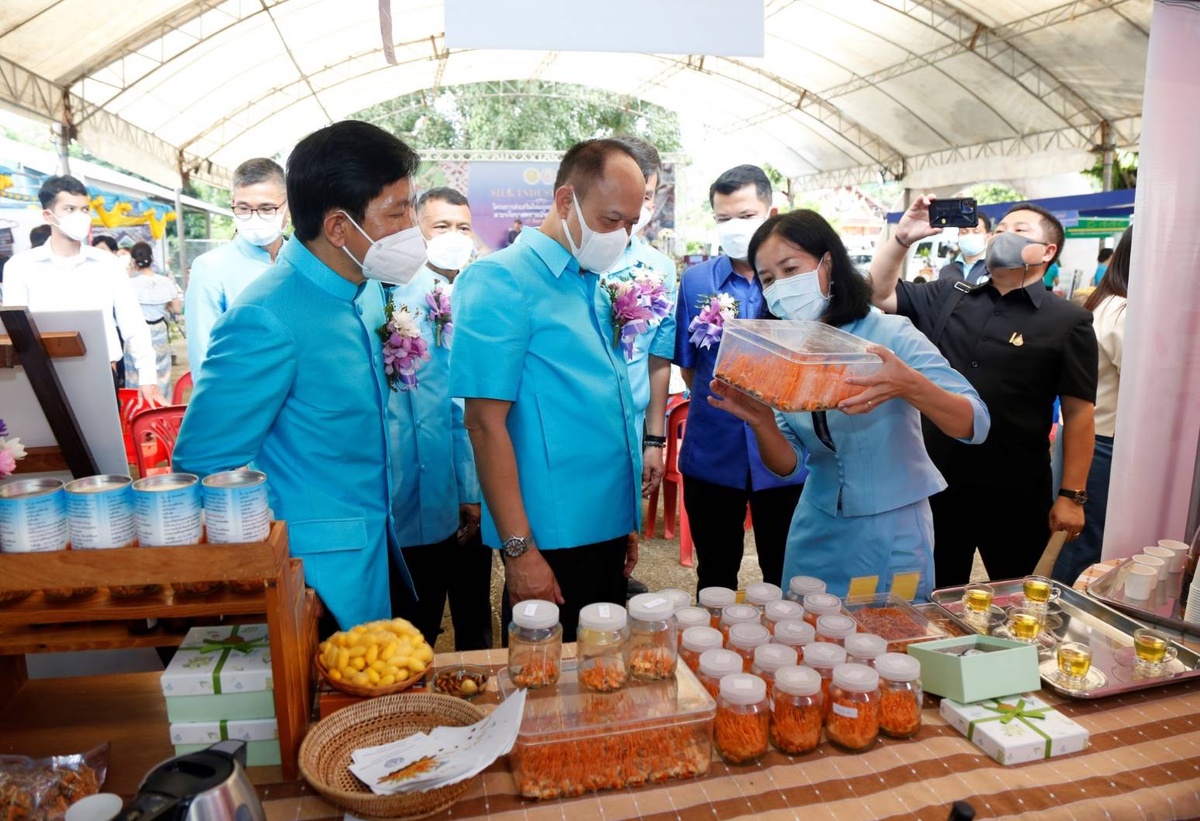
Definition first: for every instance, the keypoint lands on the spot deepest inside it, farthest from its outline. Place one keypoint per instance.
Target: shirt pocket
(327, 536)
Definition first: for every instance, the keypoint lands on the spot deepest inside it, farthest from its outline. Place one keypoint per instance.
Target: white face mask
(797, 297)
(260, 230)
(450, 251)
(75, 225)
(972, 245)
(394, 259)
(734, 236)
(596, 252)
(644, 219)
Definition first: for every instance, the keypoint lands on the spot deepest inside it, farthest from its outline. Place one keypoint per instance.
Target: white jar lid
(746, 636)
(782, 609)
(866, 646)
(825, 655)
(836, 626)
(679, 598)
(822, 603)
(741, 614)
(898, 667)
(803, 585)
(535, 614)
(775, 656)
(799, 681)
(857, 678)
(700, 639)
(603, 616)
(717, 663)
(717, 597)
(743, 688)
(760, 593)
(796, 632)
(692, 617)
(651, 607)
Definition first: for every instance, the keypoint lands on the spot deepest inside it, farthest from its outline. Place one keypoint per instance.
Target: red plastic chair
(182, 390)
(131, 404)
(672, 487)
(162, 425)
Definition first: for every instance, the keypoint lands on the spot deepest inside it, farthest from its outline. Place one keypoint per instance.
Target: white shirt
(92, 280)
(1109, 323)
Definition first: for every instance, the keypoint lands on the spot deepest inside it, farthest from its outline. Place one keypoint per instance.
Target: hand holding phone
(955, 213)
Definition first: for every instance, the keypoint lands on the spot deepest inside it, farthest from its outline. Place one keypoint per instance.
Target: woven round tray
(369, 692)
(325, 753)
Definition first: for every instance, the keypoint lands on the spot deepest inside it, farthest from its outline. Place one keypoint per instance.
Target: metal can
(167, 510)
(235, 507)
(100, 512)
(33, 516)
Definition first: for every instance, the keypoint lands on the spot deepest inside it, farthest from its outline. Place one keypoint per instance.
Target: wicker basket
(369, 692)
(325, 753)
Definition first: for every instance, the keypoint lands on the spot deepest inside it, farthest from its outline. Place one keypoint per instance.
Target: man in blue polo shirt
(722, 471)
(548, 402)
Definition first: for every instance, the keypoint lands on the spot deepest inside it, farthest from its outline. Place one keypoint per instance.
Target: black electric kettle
(210, 785)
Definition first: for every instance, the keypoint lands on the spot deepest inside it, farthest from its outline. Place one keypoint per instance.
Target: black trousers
(717, 519)
(446, 568)
(586, 575)
(1010, 526)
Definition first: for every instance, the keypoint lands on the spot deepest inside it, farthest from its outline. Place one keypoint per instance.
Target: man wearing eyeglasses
(217, 277)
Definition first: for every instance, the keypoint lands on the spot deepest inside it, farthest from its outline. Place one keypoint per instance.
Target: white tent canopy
(929, 91)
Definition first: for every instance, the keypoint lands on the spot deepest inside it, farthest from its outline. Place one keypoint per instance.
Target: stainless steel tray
(1161, 608)
(1106, 631)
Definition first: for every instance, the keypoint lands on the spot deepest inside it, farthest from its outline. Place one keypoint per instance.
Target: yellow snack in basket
(376, 654)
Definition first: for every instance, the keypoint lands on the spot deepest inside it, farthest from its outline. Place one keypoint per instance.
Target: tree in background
(989, 193)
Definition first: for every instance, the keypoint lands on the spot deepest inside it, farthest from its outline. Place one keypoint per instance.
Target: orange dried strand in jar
(796, 729)
(858, 732)
(741, 737)
(603, 678)
(536, 671)
(652, 662)
(899, 712)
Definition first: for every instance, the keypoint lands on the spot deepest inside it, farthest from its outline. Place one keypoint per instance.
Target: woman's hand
(744, 407)
(894, 379)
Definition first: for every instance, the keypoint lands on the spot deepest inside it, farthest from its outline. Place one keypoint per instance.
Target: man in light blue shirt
(548, 402)
(436, 506)
(219, 276)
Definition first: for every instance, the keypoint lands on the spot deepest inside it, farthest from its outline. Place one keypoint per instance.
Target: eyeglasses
(245, 212)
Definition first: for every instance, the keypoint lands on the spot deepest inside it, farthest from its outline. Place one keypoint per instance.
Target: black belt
(156, 321)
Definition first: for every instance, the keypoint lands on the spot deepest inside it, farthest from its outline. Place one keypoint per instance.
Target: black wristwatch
(1079, 497)
(515, 547)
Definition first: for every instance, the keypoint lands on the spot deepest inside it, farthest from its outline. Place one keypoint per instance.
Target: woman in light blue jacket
(865, 508)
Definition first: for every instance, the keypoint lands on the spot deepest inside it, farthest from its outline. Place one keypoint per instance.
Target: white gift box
(210, 732)
(220, 661)
(1016, 729)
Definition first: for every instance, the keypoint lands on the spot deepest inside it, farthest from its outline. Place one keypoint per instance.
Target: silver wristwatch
(516, 546)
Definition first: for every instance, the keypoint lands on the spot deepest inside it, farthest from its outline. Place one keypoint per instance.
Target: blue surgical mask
(797, 297)
(972, 245)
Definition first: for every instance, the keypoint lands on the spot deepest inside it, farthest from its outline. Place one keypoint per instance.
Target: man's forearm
(688, 375)
(886, 267)
(660, 383)
(1079, 441)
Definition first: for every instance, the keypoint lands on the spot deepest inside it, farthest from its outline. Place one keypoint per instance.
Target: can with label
(33, 516)
(235, 507)
(167, 509)
(100, 512)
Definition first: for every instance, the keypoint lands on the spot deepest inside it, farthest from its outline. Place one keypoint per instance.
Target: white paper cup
(1163, 553)
(99, 807)
(1153, 562)
(1140, 582)
(1180, 549)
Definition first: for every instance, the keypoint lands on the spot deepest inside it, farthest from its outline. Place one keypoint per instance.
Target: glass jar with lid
(852, 720)
(738, 614)
(679, 598)
(653, 637)
(602, 642)
(824, 658)
(797, 711)
(820, 604)
(695, 641)
(534, 644)
(801, 586)
(900, 695)
(770, 658)
(759, 594)
(864, 648)
(835, 628)
(796, 633)
(715, 665)
(715, 600)
(782, 610)
(686, 617)
(743, 638)
(743, 718)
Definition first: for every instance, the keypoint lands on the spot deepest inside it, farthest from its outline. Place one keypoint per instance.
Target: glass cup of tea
(1152, 652)
(1039, 592)
(1025, 623)
(977, 599)
(1074, 663)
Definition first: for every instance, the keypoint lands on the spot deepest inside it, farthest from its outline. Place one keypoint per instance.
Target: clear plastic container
(795, 633)
(864, 648)
(824, 658)
(715, 600)
(744, 638)
(743, 719)
(769, 659)
(602, 644)
(797, 711)
(714, 666)
(900, 695)
(686, 617)
(835, 628)
(793, 365)
(820, 604)
(695, 641)
(738, 614)
(535, 644)
(653, 637)
(801, 586)
(778, 611)
(852, 720)
(893, 618)
(760, 594)
(678, 597)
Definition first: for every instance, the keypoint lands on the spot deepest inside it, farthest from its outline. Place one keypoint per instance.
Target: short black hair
(142, 254)
(259, 169)
(1050, 224)
(343, 166)
(985, 219)
(737, 178)
(1104, 256)
(38, 235)
(53, 186)
(849, 291)
(584, 163)
(642, 151)
(443, 194)
(105, 240)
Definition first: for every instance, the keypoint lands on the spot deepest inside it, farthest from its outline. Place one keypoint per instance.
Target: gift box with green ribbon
(260, 734)
(1016, 729)
(220, 673)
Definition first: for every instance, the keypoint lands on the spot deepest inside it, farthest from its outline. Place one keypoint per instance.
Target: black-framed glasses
(245, 212)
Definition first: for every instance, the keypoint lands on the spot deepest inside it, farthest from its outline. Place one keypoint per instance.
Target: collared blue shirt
(433, 465)
(640, 258)
(532, 330)
(718, 447)
(297, 390)
(216, 280)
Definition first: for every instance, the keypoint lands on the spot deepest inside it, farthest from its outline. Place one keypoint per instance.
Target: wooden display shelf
(115, 635)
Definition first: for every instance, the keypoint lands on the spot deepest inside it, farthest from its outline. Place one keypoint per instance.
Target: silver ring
(870, 404)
